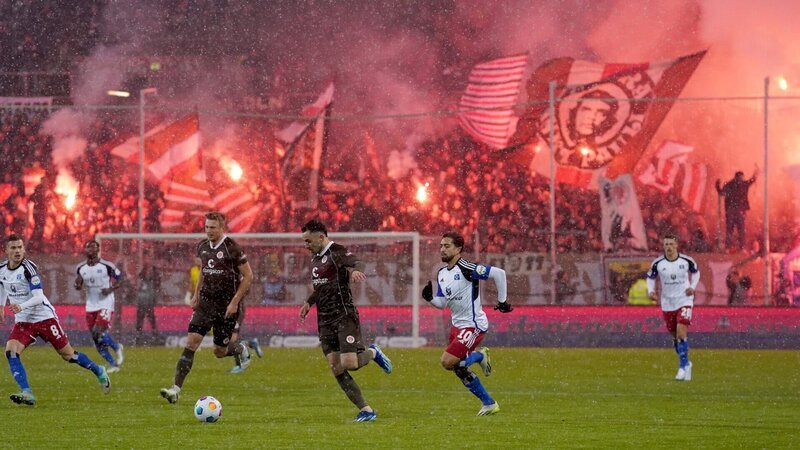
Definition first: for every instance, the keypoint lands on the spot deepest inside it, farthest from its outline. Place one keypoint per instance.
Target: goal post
(391, 259)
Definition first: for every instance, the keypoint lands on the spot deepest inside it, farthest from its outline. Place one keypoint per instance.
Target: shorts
(100, 318)
(49, 330)
(464, 341)
(202, 322)
(343, 336)
(682, 315)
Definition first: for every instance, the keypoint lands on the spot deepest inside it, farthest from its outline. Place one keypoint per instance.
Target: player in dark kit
(333, 267)
(225, 277)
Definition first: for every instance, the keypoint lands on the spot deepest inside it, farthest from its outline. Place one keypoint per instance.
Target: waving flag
(306, 143)
(186, 197)
(166, 148)
(486, 107)
(622, 224)
(671, 169)
(663, 169)
(693, 187)
(605, 115)
(239, 206)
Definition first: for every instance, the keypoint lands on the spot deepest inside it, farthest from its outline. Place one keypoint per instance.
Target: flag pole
(553, 268)
(765, 249)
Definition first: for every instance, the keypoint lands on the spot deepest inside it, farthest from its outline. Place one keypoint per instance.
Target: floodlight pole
(553, 260)
(765, 249)
(142, 94)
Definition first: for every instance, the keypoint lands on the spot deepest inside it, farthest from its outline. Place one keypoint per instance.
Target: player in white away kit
(34, 316)
(458, 290)
(679, 276)
(100, 278)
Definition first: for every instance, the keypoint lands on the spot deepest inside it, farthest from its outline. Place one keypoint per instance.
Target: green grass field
(550, 398)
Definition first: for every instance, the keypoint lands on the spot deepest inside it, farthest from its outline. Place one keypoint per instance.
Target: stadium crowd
(470, 190)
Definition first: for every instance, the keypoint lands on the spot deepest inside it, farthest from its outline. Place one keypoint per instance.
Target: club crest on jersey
(456, 277)
(680, 266)
(324, 259)
(480, 270)
(350, 339)
(220, 255)
(19, 276)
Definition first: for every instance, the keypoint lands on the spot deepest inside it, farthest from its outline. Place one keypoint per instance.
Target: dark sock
(235, 348)
(351, 389)
(184, 366)
(364, 358)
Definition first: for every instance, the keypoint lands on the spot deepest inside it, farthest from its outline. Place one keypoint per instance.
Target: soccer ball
(208, 409)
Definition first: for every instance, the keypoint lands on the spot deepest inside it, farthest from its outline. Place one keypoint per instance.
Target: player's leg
(683, 320)
(331, 348)
(108, 339)
(198, 327)
(353, 354)
(462, 342)
(18, 340)
(225, 345)
(237, 352)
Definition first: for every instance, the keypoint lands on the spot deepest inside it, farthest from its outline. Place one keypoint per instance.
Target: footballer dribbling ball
(208, 409)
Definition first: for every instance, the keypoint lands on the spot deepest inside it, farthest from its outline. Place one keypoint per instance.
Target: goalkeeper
(458, 290)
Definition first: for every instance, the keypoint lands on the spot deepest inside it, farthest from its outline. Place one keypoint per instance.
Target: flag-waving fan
(605, 114)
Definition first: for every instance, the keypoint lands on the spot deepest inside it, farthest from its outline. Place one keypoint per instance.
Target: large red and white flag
(167, 148)
(605, 115)
(486, 108)
(662, 171)
(622, 224)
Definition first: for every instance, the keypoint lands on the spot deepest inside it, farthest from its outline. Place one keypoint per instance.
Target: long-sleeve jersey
(675, 276)
(330, 275)
(458, 290)
(23, 286)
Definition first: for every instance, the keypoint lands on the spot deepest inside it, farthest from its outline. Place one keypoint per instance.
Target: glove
(427, 292)
(504, 307)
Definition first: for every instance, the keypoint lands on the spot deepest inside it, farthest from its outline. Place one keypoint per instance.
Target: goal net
(388, 302)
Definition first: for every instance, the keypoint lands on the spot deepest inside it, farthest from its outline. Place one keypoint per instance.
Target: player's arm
(694, 277)
(354, 266)
(311, 301)
(241, 291)
(115, 277)
(37, 294)
(498, 275)
(439, 301)
(651, 283)
(78, 280)
(3, 300)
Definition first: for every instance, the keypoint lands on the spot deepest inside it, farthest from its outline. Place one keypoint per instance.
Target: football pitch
(549, 398)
